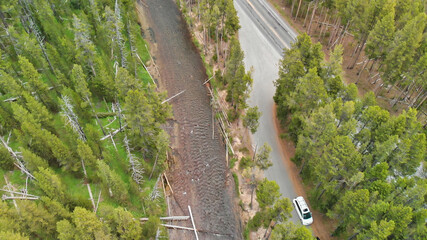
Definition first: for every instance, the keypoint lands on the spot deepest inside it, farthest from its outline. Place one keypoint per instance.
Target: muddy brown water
(199, 176)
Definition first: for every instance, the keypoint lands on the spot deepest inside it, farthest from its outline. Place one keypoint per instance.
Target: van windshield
(307, 215)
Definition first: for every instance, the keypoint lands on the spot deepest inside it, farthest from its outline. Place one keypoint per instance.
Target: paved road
(263, 36)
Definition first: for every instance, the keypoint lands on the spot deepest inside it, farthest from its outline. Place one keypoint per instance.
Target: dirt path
(199, 175)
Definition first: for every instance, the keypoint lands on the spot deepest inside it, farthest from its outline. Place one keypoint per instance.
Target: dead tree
(119, 38)
(133, 49)
(155, 194)
(32, 27)
(312, 16)
(135, 166)
(18, 158)
(72, 119)
(154, 167)
(299, 6)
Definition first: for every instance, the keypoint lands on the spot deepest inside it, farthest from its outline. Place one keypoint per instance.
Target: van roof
(302, 204)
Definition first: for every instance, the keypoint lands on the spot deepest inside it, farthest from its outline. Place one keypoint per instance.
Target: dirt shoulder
(198, 171)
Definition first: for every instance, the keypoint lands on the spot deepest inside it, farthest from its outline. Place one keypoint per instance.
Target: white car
(303, 212)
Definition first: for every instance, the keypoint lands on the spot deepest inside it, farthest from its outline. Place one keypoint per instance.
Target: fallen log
(171, 218)
(167, 181)
(192, 222)
(113, 133)
(176, 95)
(177, 227)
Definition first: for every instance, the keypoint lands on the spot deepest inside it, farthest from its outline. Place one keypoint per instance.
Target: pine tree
(50, 184)
(238, 88)
(403, 49)
(381, 37)
(112, 181)
(251, 119)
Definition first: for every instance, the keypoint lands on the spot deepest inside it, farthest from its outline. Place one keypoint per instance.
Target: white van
(303, 212)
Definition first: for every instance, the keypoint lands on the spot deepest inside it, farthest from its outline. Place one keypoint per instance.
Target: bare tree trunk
(358, 54)
(306, 15)
(217, 45)
(422, 101)
(394, 85)
(312, 16)
(335, 28)
(319, 18)
(336, 34)
(340, 35)
(292, 8)
(154, 167)
(366, 62)
(400, 95)
(409, 90)
(324, 28)
(299, 6)
(252, 195)
(372, 66)
(415, 99)
(320, 25)
(355, 50)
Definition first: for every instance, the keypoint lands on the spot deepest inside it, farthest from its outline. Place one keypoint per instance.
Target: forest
(82, 148)
(385, 41)
(364, 167)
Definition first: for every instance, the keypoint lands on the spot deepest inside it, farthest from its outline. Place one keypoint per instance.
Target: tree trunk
(340, 35)
(360, 51)
(306, 15)
(321, 194)
(318, 185)
(217, 45)
(394, 85)
(355, 50)
(292, 8)
(204, 36)
(409, 91)
(312, 16)
(299, 6)
(361, 69)
(372, 66)
(415, 99)
(252, 195)
(319, 19)
(323, 29)
(422, 101)
(331, 37)
(154, 167)
(400, 95)
(336, 33)
(268, 236)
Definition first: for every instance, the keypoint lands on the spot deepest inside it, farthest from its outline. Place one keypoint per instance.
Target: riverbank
(198, 173)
